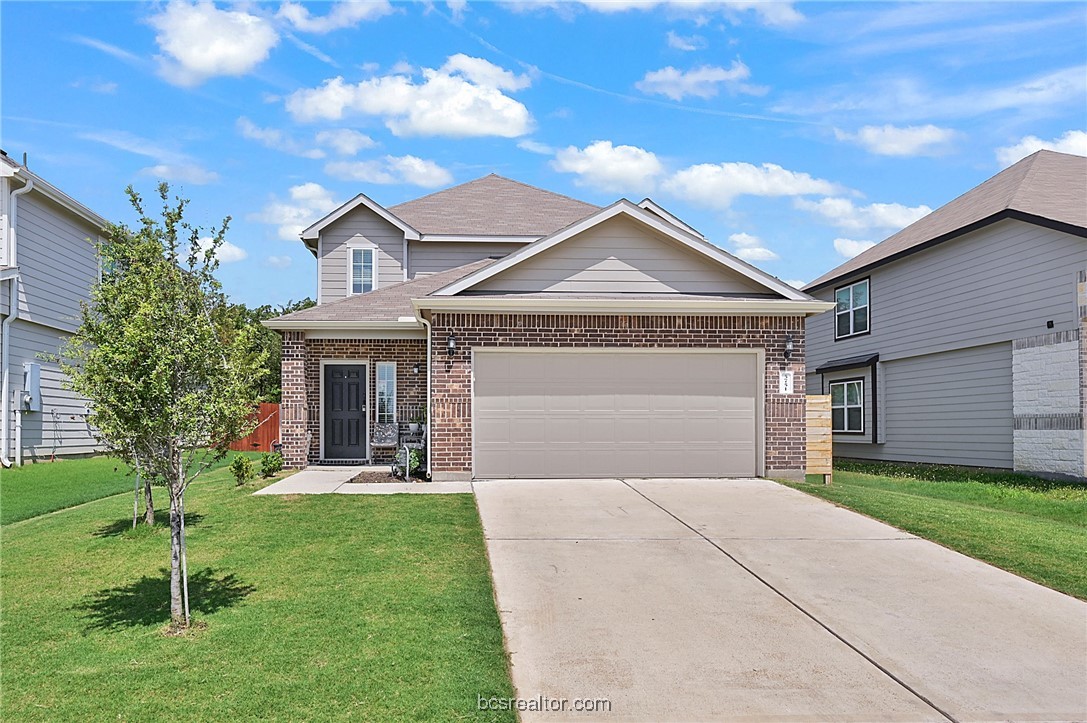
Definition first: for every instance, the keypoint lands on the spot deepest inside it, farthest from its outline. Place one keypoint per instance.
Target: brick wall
(1047, 403)
(300, 415)
(451, 433)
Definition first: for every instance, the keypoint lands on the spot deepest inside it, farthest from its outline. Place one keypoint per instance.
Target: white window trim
(351, 268)
(866, 306)
(377, 391)
(846, 406)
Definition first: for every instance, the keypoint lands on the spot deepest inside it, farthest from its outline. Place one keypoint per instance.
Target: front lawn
(1032, 527)
(309, 608)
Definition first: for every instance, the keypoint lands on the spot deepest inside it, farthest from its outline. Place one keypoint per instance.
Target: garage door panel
(558, 413)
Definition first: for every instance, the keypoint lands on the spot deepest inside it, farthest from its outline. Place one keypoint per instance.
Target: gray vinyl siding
(430, 257)
(57, 262)
(1000, 283)
(619, 256)
(942, 321)
(947, 408)
(360, 228)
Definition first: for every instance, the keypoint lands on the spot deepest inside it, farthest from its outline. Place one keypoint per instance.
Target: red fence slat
(266, 433)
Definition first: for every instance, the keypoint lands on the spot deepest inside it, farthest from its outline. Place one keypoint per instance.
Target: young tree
(170, 387)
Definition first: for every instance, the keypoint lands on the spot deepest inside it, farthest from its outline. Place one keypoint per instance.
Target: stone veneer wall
(300, 412)
(451, 432)
(1047, 402)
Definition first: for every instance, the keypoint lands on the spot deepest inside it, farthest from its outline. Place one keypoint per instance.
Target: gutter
(13, 314)
(429, 415)
(726, 307)
(402, 324)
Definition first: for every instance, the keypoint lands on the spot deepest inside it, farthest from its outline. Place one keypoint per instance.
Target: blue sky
(790, 134)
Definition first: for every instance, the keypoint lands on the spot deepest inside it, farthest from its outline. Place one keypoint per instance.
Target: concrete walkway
(744, 599)
(334, 480)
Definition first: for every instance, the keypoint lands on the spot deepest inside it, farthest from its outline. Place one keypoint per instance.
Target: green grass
(1033, 527)
(36, 489)
(310, 608)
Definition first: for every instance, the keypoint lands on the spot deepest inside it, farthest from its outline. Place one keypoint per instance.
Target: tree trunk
(177, 608)
(148, 503)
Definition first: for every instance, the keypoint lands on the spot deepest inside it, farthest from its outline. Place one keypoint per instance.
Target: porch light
(415, 368)
(788, 346)
(451, 345)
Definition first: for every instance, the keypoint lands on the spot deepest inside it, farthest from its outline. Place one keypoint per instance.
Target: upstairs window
(386, 392)
(847, 406)
(851, 313)
(363, 270)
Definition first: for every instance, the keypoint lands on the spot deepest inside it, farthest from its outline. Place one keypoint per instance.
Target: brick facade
(300, 415)
(451, 433)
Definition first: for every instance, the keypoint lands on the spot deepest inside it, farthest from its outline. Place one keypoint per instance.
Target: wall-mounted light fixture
(451, 345)
(788, 346)
(415, 368)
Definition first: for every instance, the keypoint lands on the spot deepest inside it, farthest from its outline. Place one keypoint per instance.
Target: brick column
(293, 434)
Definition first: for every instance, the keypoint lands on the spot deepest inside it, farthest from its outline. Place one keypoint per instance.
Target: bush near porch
(1033, 527)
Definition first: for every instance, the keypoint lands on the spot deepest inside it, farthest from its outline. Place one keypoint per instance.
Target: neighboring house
(48, 263)
(542, 337)
(961, 339)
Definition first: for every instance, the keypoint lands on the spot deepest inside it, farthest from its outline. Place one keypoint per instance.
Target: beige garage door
(660, 413)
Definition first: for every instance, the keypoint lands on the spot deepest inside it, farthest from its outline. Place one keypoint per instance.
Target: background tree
(240, 316)
(170, 384)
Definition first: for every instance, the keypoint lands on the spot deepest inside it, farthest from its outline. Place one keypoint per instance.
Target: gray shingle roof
(388, 303)
(1046, 184)
(493, 206)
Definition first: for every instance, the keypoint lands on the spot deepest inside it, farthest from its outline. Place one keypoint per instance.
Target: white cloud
(889, 140)
(610, 168)
(106, 87)
(685, 43)
(108, 48)
(200, 41)
(345, 141)
(536, 147)
(344, 14)
(278, 262)
(276, 139)
(392, 170)
(850, 248)
(1074, 142)
(843, 213)
(776, 14)
(704, 81)
(227, 253)
(715, 185)
(306, 203)
(182, 173)
(751, 248)
(464, 98)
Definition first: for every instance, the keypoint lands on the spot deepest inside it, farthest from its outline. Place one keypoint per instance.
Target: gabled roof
(650, 205)
(641, 215)
(8, 167)
(387, 305)
(311, 233)
(1046, 187)
(493, 206)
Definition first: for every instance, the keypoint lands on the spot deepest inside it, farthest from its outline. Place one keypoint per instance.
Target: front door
(345, 411)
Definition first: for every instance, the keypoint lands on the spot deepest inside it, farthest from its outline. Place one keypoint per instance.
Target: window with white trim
(851, 312)
(847, 406)
(386, 392)
(363, 270)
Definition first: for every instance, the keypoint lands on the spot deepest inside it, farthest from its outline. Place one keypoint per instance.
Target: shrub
(242, 469)
(270, 464)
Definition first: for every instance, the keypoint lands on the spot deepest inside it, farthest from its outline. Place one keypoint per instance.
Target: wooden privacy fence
(266, 417)
(820, 450)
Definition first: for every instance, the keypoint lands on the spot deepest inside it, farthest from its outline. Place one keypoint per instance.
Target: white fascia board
(62, 199)
(648, 218)
(709, 307)
(455, 238)
(362, 199)
(301, 325)
(650, 205)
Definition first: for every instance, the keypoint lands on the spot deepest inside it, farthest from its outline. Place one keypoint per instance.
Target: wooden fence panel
(820, 446)
(266, 418)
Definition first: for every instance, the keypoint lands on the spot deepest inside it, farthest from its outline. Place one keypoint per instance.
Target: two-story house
(961, 338)
(48, 263)
(541, 336)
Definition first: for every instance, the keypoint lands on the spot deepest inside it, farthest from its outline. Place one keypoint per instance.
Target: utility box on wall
(32, 387)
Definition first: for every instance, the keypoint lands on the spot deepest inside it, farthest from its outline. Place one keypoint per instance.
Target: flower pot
(413, 428)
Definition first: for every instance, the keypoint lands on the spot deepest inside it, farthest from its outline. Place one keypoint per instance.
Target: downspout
(5, 328)
(429, 416)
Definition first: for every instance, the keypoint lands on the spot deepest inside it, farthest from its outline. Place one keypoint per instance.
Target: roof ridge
(1028, 176)
(544, 190)
(503, 178)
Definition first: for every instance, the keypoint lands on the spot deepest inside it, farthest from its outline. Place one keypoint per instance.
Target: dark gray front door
(345, 411)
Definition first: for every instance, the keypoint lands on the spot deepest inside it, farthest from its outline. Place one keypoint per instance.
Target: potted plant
(413, 425)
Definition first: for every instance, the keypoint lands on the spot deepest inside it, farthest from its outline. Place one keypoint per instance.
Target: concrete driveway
(746, 600)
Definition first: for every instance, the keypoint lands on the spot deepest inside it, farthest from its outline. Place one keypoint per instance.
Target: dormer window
(851, 313)
(363, 270)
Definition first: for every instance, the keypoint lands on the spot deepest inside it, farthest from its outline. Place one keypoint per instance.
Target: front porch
(336, 479)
